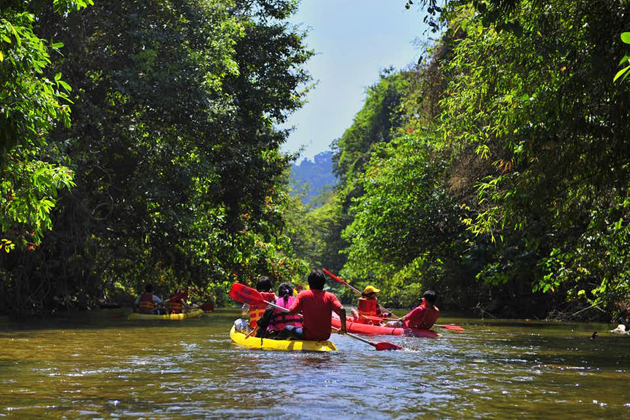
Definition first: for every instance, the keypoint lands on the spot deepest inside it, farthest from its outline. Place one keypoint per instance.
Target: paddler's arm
(296, 307)
(342, 317)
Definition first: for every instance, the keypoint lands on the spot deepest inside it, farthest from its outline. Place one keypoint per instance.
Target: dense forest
(140, 145)
(139, 142)
(496, 170)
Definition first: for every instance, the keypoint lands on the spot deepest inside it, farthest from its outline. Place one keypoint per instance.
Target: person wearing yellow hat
(368, 307)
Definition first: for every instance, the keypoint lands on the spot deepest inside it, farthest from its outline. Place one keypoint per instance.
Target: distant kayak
(167, 317)
(359, 328)
(241, 339)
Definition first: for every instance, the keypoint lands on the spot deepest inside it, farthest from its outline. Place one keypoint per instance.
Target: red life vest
(367, 307)
(281, 319)
(176, 303)
(256, 311)
(146, 303)
(429, 317)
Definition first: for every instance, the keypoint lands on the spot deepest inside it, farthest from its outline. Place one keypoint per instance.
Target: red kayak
(359, 328)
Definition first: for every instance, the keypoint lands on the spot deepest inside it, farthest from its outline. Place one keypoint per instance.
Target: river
(100, 365)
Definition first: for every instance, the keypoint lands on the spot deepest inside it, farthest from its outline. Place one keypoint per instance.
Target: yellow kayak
(169, 317)
(242, 340)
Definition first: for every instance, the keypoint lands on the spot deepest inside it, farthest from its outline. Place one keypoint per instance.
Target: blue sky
(353, 40)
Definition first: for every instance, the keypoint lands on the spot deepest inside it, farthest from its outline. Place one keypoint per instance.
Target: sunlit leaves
(30, 106)
(66, 6)
(623, 73)
(536, 100)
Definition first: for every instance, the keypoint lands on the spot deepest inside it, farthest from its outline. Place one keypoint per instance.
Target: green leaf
(621, 73)
(625, 37)
(65, 85)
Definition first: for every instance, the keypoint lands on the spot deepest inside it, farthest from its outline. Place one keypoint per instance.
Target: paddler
(369, 311)
(422, 316)
(147, 302)
(316, 307)
(275, 320)
(264, 286)
(176, 302)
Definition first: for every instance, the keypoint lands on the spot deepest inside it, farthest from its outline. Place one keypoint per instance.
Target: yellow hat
(370, 289)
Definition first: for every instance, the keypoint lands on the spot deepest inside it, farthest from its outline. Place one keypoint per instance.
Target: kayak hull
(241, 339)
(195, 313)
(367, 329)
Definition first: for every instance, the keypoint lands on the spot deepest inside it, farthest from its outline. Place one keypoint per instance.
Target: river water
(100, 365)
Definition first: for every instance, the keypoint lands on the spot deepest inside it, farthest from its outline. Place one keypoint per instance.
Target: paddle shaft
(340, 280)
(382, 345)
(355, 336)
(361, 339)
(357, 291)
(335, 329)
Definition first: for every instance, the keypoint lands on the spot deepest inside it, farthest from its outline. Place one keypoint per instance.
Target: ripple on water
(134, 370)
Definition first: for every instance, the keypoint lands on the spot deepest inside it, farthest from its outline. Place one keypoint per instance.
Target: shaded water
(99, 365)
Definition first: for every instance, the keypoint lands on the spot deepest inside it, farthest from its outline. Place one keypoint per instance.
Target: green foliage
(31, 103)
(314, 231)
(403, 210)
(173, 147)
(535, 101)
(505, 177)
(374, 123)
(30, 189)
(623, 73)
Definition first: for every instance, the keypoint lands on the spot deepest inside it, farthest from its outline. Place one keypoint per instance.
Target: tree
(177, 160)
(31, 103)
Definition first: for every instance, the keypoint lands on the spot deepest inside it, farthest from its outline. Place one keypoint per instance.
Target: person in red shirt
(316, 307)
(422, 316)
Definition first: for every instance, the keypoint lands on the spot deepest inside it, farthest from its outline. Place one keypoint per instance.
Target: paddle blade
(334, 277)
(452, 328)
(385, 345)
(244, 294)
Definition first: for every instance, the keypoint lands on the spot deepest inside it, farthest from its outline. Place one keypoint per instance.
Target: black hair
(264, 284)
(430, 296)
(148, 288)
(285, 291)
(316, 280)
